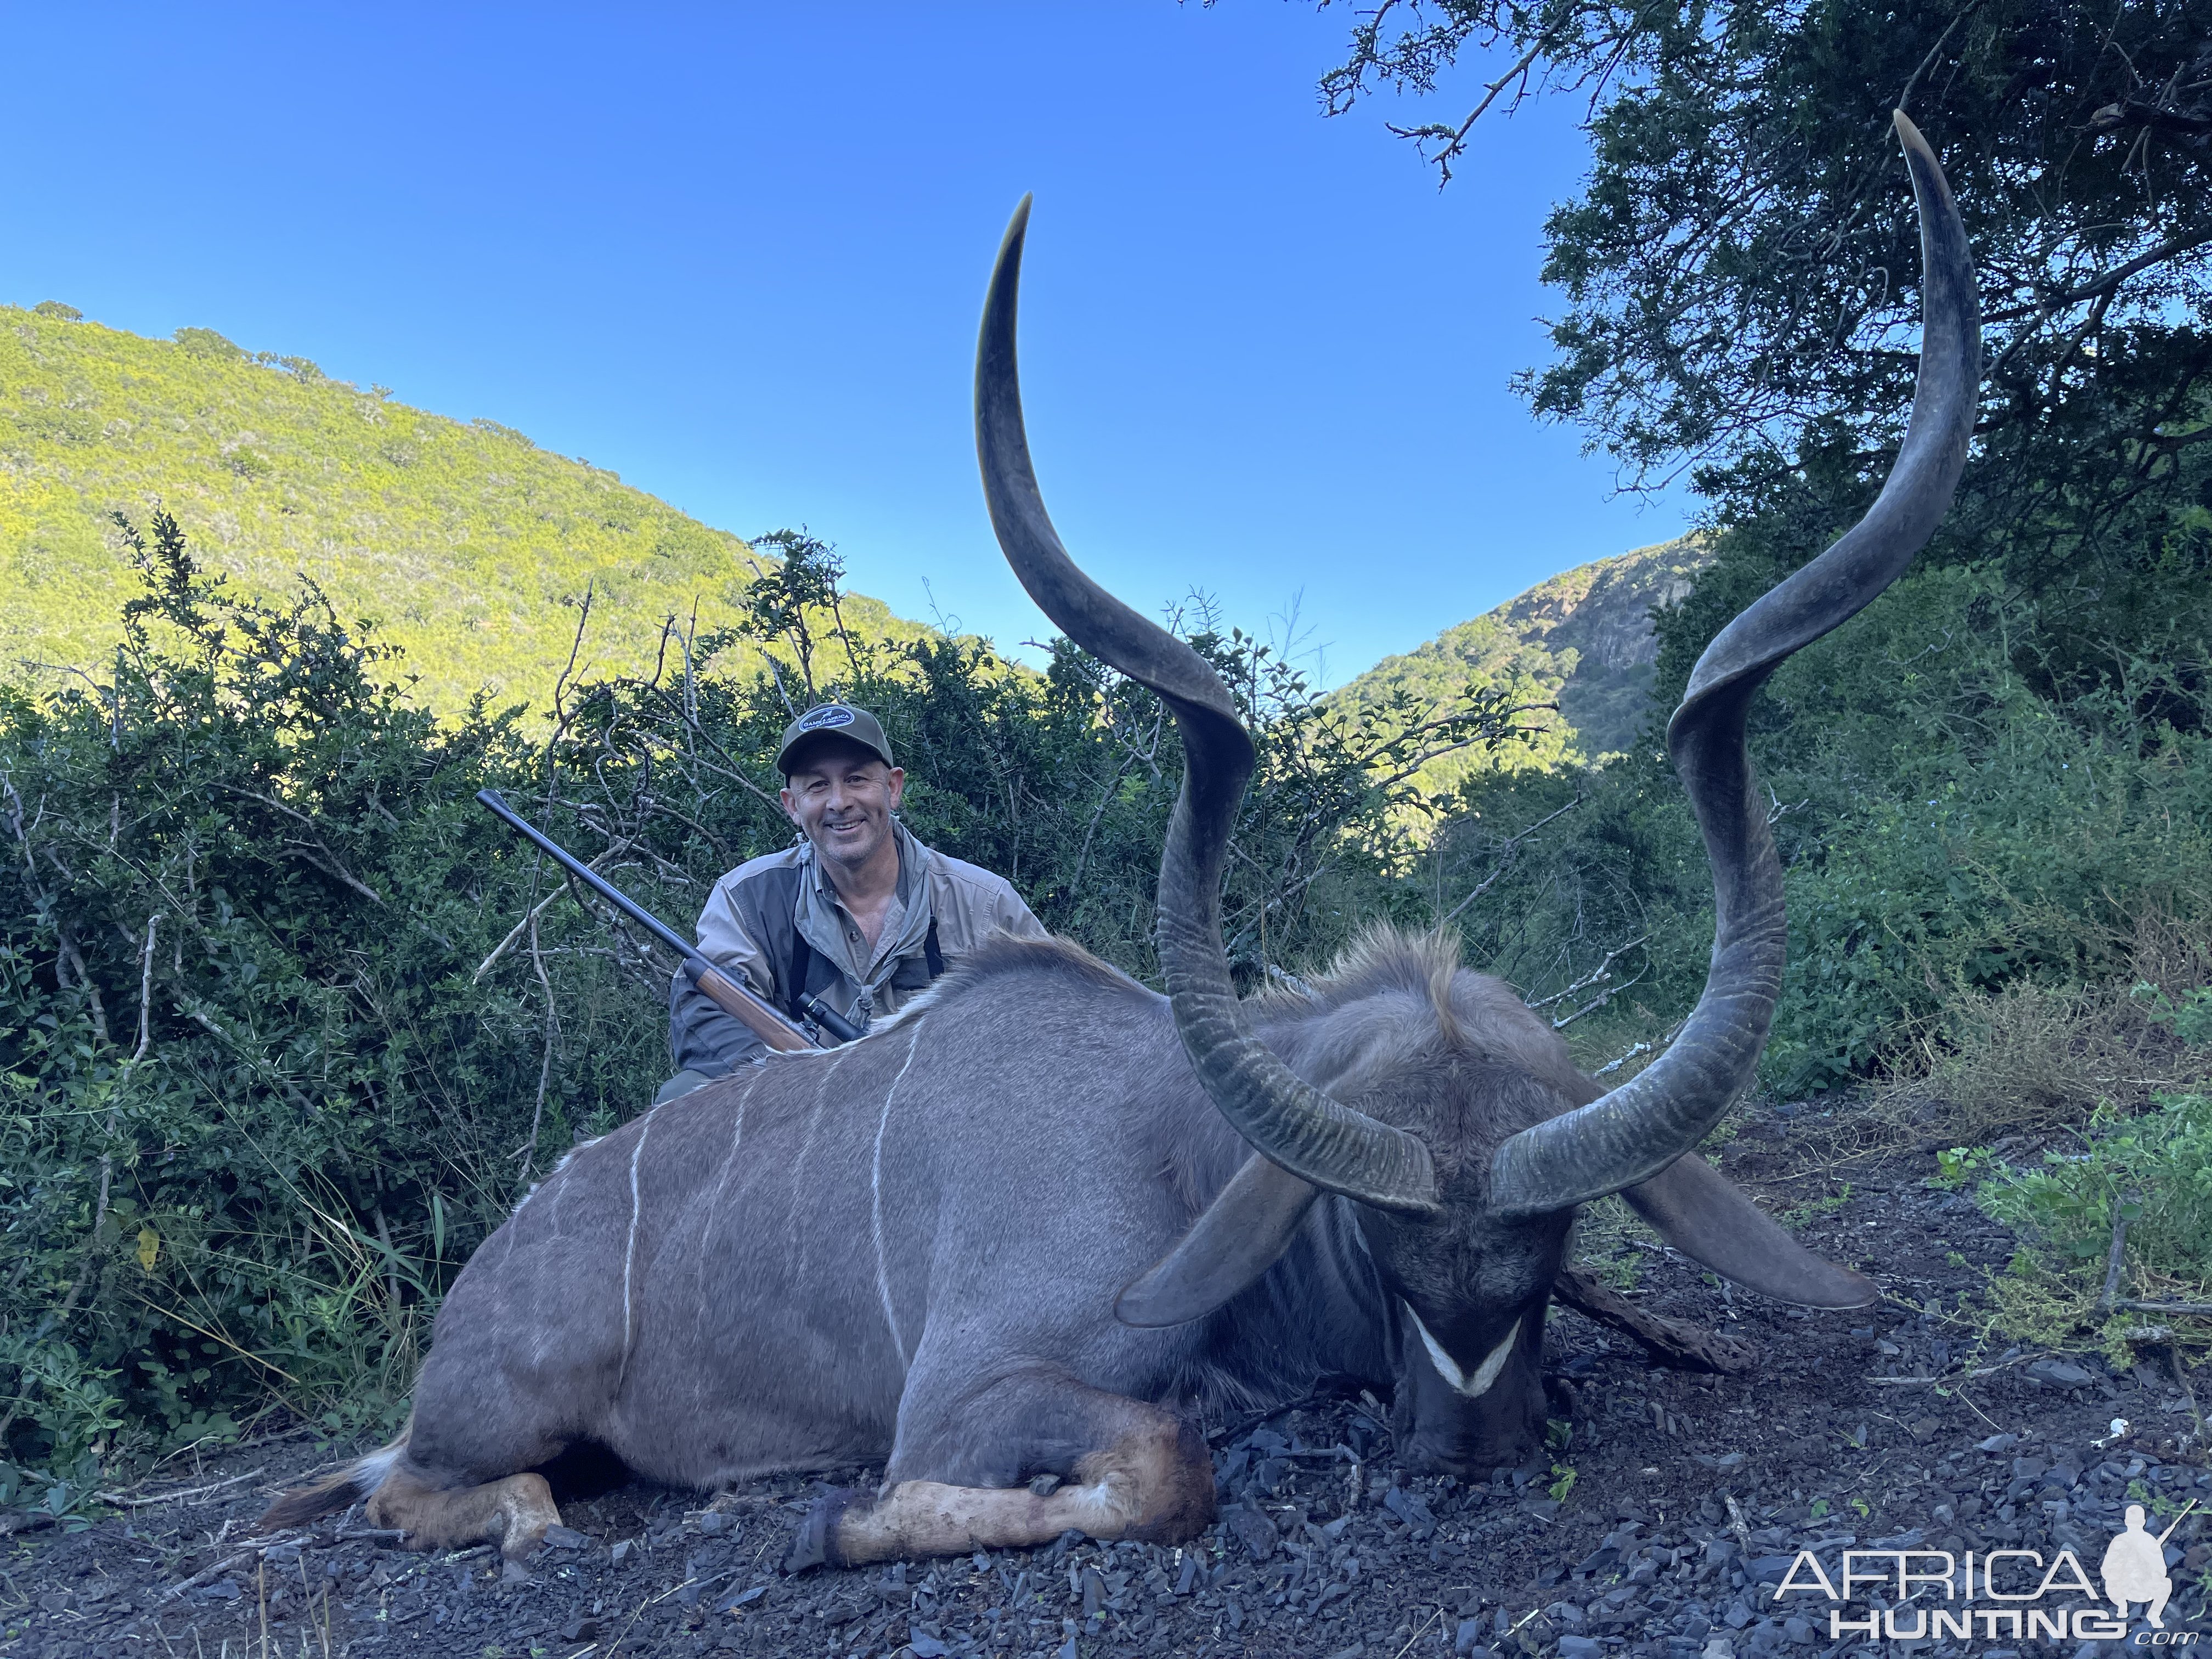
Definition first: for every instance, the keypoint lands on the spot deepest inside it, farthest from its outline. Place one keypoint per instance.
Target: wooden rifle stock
(733, 999)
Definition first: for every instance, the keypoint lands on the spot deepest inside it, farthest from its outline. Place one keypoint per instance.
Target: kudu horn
(1636, 1130)
(1294, 1125)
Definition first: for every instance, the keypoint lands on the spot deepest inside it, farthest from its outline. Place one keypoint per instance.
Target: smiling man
(858, 914)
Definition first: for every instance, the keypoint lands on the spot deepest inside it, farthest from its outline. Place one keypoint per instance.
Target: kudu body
(1033, 1223)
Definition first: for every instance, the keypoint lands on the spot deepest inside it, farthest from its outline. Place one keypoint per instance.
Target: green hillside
(1583, 639)
(462, 538)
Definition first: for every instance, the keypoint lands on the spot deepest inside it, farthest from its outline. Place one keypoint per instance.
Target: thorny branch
(1595, 976)
(1505, 860)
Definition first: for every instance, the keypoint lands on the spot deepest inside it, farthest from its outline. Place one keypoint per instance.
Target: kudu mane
(1394, 1005)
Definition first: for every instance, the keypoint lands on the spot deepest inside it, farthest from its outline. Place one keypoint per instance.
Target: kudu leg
(449, 1485)
(512, 1513)
(1124, 1470)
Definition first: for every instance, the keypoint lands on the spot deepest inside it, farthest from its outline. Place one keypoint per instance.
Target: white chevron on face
(1473, 1387)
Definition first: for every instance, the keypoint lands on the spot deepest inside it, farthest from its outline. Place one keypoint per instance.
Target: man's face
(842, 797)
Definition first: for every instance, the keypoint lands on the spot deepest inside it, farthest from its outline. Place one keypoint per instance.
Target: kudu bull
(1026, 1227)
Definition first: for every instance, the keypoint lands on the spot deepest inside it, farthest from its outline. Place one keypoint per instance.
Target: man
(858, 914)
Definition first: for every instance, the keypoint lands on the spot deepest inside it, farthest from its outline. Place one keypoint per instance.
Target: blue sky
(737, 254)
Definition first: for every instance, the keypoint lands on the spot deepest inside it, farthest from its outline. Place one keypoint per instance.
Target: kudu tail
(342, 1487)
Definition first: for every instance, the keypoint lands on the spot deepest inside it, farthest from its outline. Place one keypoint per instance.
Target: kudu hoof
(815, 1543)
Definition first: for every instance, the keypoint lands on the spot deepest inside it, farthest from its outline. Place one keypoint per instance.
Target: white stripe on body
(629, 1250)
(876, 1199)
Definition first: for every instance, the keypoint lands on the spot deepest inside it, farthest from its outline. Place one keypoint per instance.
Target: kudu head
(1466, 1211)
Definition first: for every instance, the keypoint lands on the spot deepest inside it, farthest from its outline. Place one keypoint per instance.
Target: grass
(469, 543)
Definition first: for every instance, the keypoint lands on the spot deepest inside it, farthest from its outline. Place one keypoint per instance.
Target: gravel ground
(1689, 1496)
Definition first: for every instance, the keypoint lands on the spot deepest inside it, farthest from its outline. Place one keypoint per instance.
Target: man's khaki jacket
(758, 914)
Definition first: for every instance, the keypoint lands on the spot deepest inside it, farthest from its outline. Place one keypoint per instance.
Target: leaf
(150, 1248)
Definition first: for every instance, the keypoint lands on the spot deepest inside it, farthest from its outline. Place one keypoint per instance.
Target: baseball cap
(835, 719)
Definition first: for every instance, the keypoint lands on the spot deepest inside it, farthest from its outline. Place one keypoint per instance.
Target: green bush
(1949, 828)
(2154, 1172)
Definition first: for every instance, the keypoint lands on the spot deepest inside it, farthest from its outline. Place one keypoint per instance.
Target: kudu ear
(1702, 1214)
(1227, 1248)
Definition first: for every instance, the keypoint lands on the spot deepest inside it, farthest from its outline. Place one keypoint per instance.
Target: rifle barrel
(733, 999)
(494, 802)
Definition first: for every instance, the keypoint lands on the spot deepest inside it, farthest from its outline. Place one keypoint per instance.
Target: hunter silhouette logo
(1935, 1595)
(2133, 1568)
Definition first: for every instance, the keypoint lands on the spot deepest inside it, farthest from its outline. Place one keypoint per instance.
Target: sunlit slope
(1583, 639)
(465, 539)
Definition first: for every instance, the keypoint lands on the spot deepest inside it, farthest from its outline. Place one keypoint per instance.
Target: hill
(1583, 639)
(463, 539)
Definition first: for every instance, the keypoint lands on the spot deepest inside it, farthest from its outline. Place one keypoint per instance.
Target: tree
(1740, 273)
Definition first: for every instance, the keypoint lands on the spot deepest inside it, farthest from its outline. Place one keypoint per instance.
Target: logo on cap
(829, 714)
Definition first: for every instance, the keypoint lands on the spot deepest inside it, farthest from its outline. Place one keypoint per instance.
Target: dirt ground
(1688, 1499)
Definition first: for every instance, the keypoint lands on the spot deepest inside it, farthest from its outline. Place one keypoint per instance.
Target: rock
(511, 1571)
(1923, 1429)
(714, 1522)
(1252, 1529)
(2061, 1373)
(1580, 1647)
(1719, 1648)
(926, 1646)
(740, 1598)
(1798, 1630)
(1997, 1442)
(1468, 1636)
(564, 1538)
(620, 1553)
(582, 1628)
(1410, 1510)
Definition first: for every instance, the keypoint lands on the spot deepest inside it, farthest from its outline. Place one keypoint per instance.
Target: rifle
(718, 987)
